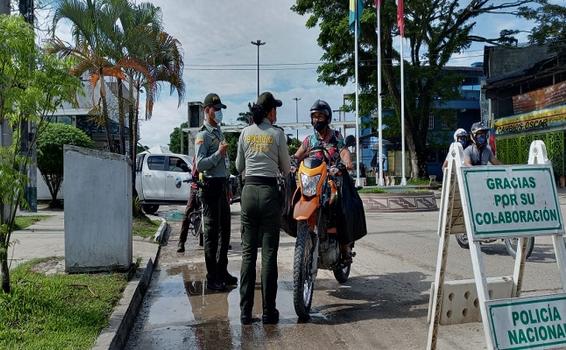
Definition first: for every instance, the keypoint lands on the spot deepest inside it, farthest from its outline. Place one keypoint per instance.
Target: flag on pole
(400, 17)
(353, 14)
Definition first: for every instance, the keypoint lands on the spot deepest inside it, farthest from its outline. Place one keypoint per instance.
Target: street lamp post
(258, 43)
(297, 99)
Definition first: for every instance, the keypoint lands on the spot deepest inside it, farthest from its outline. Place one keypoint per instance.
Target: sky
(219, 32)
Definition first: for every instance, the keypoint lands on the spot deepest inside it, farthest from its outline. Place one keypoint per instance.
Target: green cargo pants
(260, 228)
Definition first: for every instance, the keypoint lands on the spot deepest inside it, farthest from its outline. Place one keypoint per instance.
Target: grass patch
(372, 190)
(57, 311)
(418, 182)
(144, 227)
(23, 222)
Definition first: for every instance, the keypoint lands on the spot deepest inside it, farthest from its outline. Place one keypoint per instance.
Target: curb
(399, 202)
(115, 335)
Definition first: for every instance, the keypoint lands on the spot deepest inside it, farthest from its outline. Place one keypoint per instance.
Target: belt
(260, 180)
(215, 180)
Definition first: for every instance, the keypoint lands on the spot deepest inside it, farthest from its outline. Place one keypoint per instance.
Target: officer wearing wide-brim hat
(211, 152)
(262, 156)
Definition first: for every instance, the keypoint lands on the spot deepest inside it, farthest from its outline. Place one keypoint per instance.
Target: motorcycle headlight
(309, 184)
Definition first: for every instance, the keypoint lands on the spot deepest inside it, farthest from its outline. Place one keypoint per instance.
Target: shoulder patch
(199, 140)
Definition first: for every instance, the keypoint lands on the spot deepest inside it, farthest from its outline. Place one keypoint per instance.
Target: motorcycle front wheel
(341, 273)
(511, 246)
(303, 274)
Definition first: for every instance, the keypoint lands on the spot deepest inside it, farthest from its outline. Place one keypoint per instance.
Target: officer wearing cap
(211, 154)
(262, 156)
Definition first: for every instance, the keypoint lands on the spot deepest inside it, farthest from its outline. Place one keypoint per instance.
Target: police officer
(211, 154)
(262, 156)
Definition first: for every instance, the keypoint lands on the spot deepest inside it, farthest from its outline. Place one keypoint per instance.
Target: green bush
(50, 144)
(515, 150)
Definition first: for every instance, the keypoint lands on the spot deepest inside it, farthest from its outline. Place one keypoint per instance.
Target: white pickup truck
(162, 179)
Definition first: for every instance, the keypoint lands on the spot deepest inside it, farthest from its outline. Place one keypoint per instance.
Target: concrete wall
(98, 210)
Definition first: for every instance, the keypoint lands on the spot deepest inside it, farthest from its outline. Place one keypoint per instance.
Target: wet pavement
(382, 306)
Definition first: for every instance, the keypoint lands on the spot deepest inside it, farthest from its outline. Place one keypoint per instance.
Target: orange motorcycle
(317, 242)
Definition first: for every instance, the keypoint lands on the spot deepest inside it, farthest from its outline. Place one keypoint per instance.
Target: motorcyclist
(461, 136)
(479, 152)
(333, 142)
(324, 136)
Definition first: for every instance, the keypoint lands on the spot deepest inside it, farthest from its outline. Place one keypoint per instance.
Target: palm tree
(159, 52)
(90, 23)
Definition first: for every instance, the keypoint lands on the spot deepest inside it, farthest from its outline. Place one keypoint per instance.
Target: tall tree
(158, 52)
(175, 139)
(434, 31)
(550, 23)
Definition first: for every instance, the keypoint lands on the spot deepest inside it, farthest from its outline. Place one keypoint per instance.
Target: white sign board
(511, 201)
(528, 323)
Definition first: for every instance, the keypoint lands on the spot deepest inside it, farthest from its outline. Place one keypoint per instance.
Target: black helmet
(477, 127)
(322, 107)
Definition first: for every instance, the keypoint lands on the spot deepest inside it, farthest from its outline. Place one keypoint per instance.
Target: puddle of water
(174, 215)
(183, 311)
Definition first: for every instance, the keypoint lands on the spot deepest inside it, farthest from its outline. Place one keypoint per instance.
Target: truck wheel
(150, 208)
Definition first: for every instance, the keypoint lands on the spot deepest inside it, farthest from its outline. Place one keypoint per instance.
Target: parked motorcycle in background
(510, 244)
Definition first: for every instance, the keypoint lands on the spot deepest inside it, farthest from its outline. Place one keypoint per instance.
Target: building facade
(526, 95)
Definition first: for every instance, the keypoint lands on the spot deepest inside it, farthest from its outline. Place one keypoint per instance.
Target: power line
(254, 64)
(292, 65)
(247, 69)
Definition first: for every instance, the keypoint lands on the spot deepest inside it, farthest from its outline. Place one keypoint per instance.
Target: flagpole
(379, 98)
(403, 179)
(356, 23)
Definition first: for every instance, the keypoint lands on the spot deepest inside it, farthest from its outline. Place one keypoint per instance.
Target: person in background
(461, 136)
(479, 152)
(191, 205)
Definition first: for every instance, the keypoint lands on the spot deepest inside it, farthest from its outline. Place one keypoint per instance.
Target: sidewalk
(46, 238)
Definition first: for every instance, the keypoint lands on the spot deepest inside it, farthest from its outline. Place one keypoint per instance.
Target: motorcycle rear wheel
(511, 246)
(303, 276)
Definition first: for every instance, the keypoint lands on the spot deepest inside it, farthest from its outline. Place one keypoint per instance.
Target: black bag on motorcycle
(351, 219)
(288, 223)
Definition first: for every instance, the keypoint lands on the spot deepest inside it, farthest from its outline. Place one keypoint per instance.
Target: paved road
(383, 305)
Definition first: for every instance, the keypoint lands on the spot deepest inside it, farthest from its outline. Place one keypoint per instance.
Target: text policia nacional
(541, 324)
(504, 200)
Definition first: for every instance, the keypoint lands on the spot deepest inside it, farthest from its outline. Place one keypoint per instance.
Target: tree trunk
(122, 117)
(105, 113)
(412, 147)
(4, 273)
(132, 126)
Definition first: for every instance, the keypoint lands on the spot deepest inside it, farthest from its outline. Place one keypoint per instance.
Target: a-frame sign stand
(511, 201)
